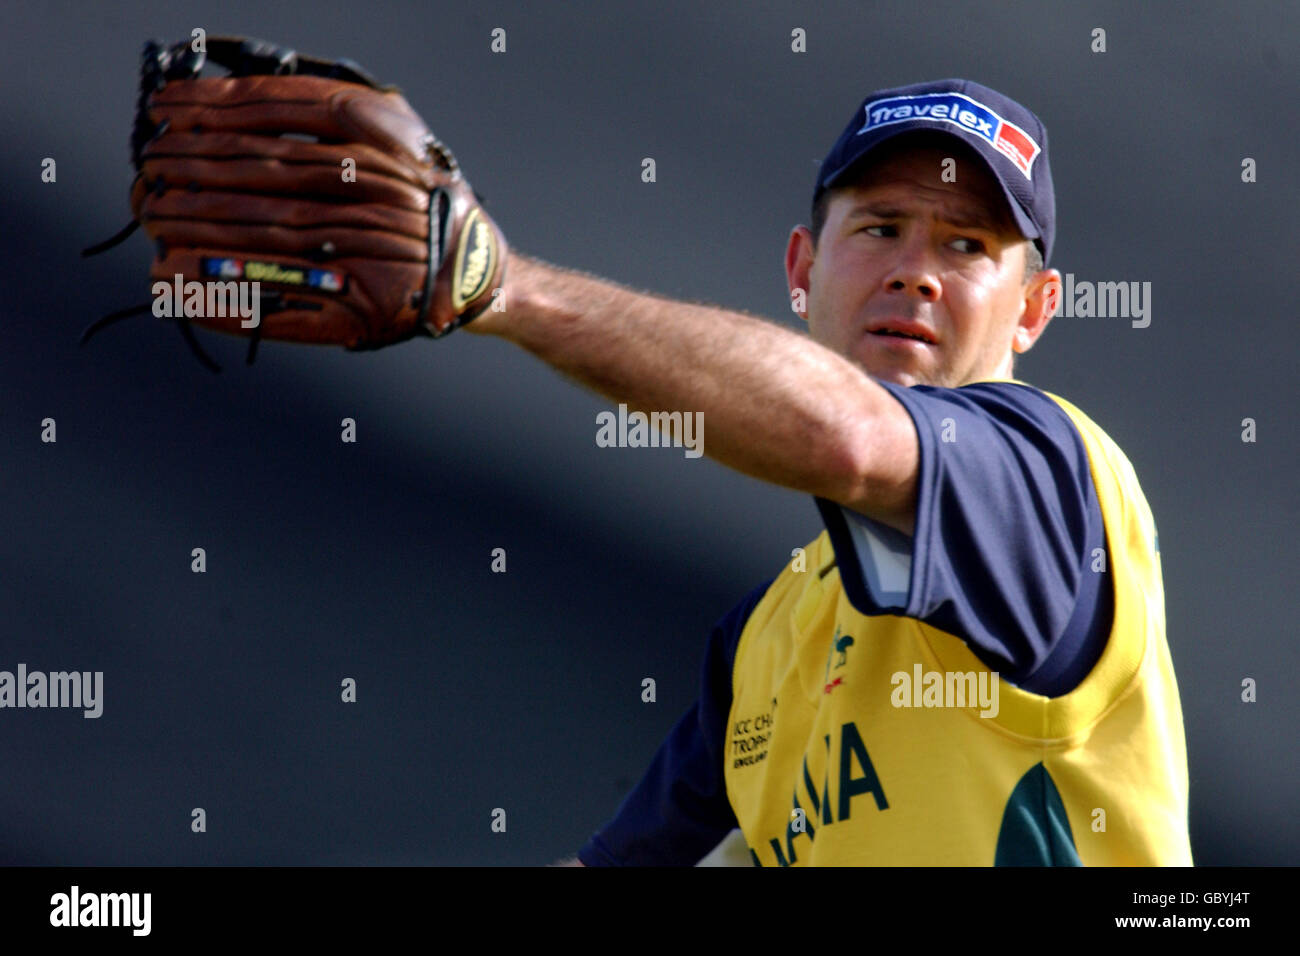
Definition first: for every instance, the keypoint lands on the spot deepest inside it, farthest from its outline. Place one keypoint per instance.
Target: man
(969, 666)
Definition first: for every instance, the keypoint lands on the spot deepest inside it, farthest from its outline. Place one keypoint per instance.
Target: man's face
(902, 247)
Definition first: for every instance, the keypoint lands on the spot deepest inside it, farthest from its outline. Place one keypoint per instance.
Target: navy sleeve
(680, 811)
(1002, 550)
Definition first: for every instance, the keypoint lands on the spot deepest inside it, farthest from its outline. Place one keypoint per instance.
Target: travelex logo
(961, 111)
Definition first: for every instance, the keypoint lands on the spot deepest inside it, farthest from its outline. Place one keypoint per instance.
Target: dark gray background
(371, 560)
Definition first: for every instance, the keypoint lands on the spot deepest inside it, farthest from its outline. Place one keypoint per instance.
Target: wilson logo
(327, 280)
(475, 260)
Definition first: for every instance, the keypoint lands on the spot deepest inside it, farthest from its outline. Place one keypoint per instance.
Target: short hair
(821, 205)
(1033, 260)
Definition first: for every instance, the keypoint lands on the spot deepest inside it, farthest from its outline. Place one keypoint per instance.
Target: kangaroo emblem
(842, 644)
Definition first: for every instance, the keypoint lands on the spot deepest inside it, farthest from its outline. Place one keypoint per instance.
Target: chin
(898, 367)
(896, 374)
(895, 377)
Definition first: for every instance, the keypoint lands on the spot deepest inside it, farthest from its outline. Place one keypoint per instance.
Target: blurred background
(372, 560)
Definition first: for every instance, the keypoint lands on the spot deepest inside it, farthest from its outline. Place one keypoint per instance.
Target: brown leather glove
(312, 180)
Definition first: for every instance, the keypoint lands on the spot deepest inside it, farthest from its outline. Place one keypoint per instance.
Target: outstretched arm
(776, 405)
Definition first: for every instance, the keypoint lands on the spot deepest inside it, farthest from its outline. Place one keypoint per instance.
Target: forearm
(775, 404)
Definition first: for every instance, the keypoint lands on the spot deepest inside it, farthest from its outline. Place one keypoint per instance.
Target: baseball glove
(321, 190)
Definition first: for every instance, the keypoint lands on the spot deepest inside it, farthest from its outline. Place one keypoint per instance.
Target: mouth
(904, 331)
(888, 333)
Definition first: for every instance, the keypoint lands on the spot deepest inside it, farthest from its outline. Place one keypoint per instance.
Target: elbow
(871, 468)
(846, 466)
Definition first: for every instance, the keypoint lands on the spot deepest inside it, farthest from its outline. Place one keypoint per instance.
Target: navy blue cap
(1010, 139)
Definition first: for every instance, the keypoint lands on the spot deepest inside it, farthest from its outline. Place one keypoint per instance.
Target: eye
(967, 245)
(880, 232)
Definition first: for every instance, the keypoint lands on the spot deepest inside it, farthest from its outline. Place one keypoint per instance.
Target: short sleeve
(680, 809)
(1006, 528)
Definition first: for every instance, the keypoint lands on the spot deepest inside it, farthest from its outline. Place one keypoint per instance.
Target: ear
(798, 265)
(1042, 298)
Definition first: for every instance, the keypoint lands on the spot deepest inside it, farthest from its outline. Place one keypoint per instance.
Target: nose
(914, 271)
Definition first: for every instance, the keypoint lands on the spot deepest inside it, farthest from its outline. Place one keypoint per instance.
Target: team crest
(839, 653)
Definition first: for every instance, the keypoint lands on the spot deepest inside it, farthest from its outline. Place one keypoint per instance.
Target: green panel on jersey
(1035, 829)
